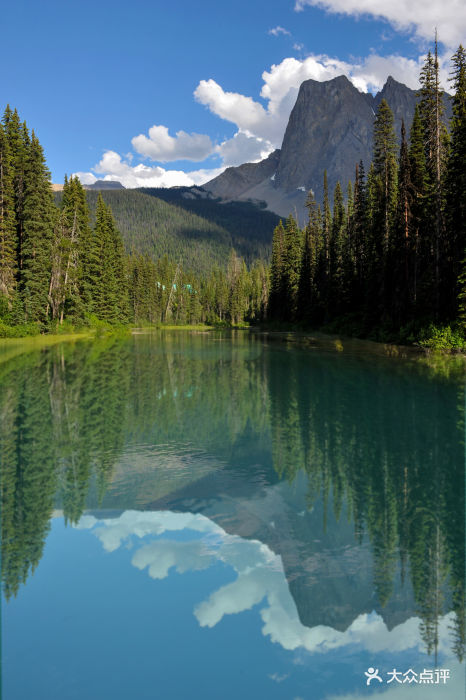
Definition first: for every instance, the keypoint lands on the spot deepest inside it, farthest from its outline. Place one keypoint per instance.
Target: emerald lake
(223, 515)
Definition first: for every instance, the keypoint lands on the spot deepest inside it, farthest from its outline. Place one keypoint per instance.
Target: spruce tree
(385, 167)
(348, 266)
(277, 290)
(18, 140)
(307, 293)
(120, 270)
(384, 204)
(400, 254)
(336, 250)
(359, 238)
(326, 230)
(8, 241)
(418, 179)
(291, 266)
(456, 181)
(239, 289)
(110, 292)
(38, 225)
(435, 145)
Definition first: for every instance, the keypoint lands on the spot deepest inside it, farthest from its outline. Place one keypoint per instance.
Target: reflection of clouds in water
(161, 556)
(136, 523)
(259, 575)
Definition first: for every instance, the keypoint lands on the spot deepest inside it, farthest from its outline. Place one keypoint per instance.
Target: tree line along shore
(386, 261)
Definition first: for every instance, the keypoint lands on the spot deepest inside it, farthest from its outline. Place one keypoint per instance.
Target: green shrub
(20, 331)
(442, 338)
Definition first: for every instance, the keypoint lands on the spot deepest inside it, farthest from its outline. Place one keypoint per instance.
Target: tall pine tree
(39, 215)
(435, 145)
(456, 181)
(8, 242)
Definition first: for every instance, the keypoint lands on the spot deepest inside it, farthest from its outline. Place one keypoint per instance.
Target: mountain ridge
(330, 128)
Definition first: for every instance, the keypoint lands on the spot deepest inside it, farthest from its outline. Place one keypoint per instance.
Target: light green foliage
(442, 338)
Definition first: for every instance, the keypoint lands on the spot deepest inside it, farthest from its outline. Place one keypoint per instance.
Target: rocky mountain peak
(330, 128)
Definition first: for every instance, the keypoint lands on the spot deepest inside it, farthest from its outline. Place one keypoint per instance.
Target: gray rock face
(330, 128)
(236, 181)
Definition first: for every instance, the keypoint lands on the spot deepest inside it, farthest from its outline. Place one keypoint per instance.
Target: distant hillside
(200, 233)
(105, 185)
(250, 225)
(155, 228)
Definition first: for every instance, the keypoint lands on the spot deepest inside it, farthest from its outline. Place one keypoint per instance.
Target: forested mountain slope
(200, 233)
(154, 228)
(251, 226)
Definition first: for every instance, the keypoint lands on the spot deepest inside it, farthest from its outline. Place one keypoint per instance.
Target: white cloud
(260, 125)
(279, 30)
(113, 167)
(260, 576)
(160, 146)
(243, 148)
(416, 16)
(231, 106)
(85, 178)
(279, 678)
(281, 85)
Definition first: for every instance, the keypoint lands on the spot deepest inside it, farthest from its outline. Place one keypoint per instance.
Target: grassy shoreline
(10, 347)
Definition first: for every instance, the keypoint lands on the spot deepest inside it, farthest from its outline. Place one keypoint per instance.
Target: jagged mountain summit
(330, 128)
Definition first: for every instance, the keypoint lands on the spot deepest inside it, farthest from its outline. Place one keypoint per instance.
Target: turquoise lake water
(223, 516)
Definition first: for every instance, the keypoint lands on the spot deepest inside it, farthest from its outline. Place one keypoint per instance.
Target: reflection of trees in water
(28, 477)
(379, 437)
(62, 419)
(390, 443)
(66, 413)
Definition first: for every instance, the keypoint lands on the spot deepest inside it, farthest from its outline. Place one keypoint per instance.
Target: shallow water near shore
(218, 515)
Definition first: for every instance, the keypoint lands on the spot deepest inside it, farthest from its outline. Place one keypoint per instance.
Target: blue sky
(163, 93)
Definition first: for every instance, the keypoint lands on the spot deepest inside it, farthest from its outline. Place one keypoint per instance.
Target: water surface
(200, 515)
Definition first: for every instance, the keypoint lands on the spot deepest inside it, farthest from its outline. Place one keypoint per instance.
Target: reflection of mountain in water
(349, 467)
(162, 542)
(330, 576)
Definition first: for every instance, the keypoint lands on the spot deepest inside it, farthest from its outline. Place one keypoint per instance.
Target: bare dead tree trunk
(68, 263)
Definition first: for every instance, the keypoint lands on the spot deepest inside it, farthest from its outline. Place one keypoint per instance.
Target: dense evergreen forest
(386, 261)
(250, 226)
(153, 228)
(56, 267)
(161, 224)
